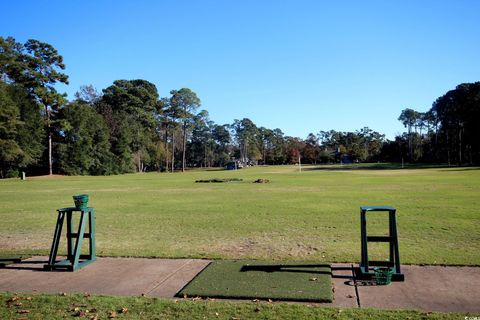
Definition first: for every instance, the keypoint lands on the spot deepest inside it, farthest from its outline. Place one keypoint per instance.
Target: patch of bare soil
(261, 181)
(266, 246)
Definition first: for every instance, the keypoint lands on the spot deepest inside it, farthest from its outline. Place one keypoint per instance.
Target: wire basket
(383, 276)
(80, 201)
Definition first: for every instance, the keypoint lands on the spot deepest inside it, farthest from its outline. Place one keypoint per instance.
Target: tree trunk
(263, 151)
(50, 165)
(173, 152)
(166, 147)
(205, 155)
(448, 148)
(460, 146)
(470, 154)
(410, 155)
(245, 156)
(184, 144)
(50, 169)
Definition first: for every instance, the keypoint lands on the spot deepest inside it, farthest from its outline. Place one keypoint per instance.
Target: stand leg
(363, 224)
(390, 234)
(56, 238)
(78, 244)
(70, 241)
(91, 225)
(395, 244)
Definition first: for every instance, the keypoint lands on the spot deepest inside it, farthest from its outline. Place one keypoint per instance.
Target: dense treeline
(447, 133)
(128, 127)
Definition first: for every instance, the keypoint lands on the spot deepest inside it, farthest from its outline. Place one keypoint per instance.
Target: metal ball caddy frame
(365, 270)
(75, 259)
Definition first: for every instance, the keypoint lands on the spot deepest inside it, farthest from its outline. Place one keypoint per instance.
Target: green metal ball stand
(365, 272)
(75, 259)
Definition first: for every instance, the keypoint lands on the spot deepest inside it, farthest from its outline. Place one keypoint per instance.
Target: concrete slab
(6, 275)
(110, 276)
(170, 286)
(431, 288)
(343, 285)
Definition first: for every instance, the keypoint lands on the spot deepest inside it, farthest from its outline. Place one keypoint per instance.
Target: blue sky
(301, 66)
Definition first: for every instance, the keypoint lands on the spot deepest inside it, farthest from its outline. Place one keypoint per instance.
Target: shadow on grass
(386, 166)
(203, 169)
(463, 168)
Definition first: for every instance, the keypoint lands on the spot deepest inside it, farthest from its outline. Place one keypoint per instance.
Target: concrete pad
(5, 275)
(344, 294)
(431, 288)
(170, 286)
(25, 276)
(110, 276)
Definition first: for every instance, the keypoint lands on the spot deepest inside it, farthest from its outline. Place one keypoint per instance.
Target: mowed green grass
(102, 307)
(307, 216)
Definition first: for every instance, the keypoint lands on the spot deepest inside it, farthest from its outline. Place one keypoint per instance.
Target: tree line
(128, 127)
(447, 133)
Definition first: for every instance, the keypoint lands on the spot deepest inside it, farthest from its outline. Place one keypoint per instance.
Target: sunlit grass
(308, 216)
(104, 307)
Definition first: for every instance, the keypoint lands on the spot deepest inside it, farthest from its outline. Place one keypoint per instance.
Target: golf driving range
(282, 236)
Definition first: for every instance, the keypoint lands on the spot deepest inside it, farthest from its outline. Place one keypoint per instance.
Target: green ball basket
(383, 276)
(80, 201)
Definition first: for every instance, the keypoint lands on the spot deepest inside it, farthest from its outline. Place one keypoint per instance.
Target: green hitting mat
(247, 279)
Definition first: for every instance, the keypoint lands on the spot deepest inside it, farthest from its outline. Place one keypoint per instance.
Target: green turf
(247, 279)
(308, 216)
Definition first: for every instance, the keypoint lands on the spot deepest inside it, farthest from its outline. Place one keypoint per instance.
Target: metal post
(74, 240)
(78, 244)
(70, 242)
(363, 226)
(91, 228)
(392, 239)
(395, 241)
(56, 238)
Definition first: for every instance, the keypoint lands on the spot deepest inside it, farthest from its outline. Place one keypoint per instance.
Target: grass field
(307, 216)
(104, 307)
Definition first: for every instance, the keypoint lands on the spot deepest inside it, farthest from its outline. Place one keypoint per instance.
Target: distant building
(234, 165)
(345, 159)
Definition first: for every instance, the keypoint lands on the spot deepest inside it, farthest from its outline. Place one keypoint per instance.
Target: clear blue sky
(301, 66)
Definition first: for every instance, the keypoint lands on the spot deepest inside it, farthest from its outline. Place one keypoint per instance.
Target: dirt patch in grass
(52, 176)
(218, 180)
(261, 181)
(265, 247)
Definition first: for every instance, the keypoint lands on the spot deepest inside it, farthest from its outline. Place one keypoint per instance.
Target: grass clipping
(246, 279)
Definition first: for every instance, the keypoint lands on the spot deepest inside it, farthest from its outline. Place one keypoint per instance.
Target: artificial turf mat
(247, 279)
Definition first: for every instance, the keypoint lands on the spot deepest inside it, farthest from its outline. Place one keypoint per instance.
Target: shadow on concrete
(31, 265)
